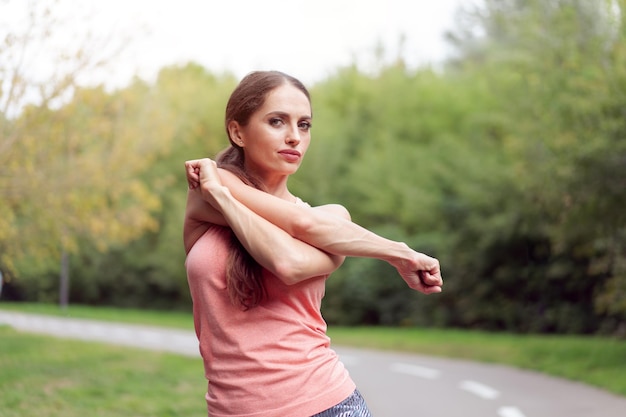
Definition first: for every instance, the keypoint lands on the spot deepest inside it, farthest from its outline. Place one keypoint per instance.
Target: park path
(139, 336)
(393, 384)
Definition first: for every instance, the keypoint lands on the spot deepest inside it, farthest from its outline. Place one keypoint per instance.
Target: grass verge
(176, 319)
(49, 377)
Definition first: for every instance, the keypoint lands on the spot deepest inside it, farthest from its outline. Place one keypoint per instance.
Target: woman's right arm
(328, 232)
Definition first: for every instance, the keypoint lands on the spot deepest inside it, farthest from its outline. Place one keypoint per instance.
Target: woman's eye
(276, 121)
(304, 125)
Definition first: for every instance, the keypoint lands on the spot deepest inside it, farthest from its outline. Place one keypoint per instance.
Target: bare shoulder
(199, 215)
(335, 209)
(228, 178)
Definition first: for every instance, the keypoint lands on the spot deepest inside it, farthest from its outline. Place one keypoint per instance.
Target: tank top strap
(302, 203)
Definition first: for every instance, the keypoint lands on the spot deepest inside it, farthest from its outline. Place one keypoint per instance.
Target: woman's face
(277, 135)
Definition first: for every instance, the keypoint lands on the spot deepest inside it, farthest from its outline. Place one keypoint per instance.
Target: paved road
(393, 384)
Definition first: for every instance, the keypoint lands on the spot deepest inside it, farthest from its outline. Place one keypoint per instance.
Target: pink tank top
(273, 360)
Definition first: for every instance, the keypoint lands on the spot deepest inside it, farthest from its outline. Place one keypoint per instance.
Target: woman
(258, 258)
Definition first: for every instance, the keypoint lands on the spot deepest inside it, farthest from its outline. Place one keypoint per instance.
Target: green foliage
(559, 89)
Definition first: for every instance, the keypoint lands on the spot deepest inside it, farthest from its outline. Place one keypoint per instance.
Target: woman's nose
(293, 136)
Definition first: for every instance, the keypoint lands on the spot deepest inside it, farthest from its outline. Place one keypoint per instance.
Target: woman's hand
(192, 168)
(203, 174)
(421, 272)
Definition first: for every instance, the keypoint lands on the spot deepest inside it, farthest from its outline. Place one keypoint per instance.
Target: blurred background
(490, 134)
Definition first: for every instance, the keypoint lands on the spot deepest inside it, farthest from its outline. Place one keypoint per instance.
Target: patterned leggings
(353, 406)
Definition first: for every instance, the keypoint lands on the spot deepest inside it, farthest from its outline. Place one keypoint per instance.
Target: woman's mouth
(290, 155)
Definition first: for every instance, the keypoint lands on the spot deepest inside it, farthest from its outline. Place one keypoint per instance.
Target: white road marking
(510, 412)
(479, 389)
(484, 391)
(415, 370)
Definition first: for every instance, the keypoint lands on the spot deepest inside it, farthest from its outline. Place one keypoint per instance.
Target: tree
(557, 69)
(148, 271)
(69, 161)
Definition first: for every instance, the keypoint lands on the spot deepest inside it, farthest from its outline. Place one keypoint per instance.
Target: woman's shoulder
(194, 230)
(335, 209)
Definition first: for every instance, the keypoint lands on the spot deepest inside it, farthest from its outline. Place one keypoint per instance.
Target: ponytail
(244, 275)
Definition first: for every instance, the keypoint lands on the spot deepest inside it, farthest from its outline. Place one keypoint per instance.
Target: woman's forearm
(326, 231)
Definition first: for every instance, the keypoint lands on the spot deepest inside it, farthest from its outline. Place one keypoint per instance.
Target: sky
(308, 39)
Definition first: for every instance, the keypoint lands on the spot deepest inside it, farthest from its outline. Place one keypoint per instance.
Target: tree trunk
(64, 281)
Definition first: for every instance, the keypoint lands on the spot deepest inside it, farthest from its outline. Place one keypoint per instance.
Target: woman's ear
(234, 132)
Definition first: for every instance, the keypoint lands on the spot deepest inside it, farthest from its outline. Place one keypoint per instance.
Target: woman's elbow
(287, 272)
(319, 221)
(302, 227)
(299, 267)
(295, 270)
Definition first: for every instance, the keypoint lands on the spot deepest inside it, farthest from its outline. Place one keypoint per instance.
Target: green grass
(90, 380)
(49, 377)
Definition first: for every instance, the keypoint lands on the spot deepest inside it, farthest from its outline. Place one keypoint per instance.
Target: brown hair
(244, 276)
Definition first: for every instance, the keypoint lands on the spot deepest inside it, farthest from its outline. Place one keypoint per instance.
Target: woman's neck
(278, 187)
(274, 183)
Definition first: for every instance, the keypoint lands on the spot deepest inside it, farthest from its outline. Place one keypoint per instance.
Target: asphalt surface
(393, 384)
